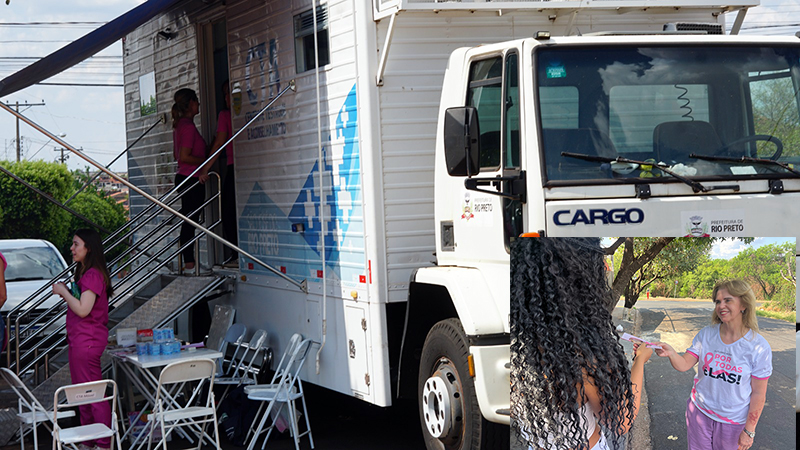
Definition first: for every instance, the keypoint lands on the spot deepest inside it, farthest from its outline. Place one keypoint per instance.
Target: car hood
(18, 291)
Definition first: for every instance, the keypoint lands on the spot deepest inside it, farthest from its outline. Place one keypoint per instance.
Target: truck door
(489, 220)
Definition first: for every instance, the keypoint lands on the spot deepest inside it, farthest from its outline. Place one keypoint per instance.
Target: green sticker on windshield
(556, 71)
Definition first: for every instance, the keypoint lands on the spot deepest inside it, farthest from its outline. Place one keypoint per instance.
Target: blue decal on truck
(299, 252)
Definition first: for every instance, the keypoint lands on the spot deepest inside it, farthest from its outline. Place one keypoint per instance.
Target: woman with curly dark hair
(569, 374)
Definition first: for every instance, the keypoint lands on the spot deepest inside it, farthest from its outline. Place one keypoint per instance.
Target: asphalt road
(677, 323)
(337, 422)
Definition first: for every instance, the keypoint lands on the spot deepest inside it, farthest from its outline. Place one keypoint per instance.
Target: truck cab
(599, 135)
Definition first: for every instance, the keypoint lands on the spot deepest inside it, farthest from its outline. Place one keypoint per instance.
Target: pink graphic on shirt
(707, 360)
(694, 400)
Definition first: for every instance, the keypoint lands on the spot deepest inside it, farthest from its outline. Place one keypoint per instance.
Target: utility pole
(17, 105)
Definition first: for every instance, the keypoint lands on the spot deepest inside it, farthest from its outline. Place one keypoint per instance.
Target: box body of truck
(341, 183)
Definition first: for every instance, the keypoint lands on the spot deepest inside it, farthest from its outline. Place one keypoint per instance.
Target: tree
(646, 260)
(637, 270)
(771, 268)
(26, 214)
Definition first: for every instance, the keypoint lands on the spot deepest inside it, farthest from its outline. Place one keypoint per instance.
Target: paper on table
(630, 337)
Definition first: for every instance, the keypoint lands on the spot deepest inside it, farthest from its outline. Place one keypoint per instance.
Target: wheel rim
(441, 403)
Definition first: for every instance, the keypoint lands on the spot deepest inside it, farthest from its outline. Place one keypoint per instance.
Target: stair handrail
(302, 285)
(26, 304)
(58, 307)
(58, 342)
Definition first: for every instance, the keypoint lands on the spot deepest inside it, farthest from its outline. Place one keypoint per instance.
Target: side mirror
(461, 141)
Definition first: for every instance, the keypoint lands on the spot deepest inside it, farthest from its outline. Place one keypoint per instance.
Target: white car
(32, 263)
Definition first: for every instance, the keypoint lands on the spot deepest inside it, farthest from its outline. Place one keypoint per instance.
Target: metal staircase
(147, 296)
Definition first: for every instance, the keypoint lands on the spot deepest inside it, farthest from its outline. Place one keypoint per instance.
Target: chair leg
(293, 424)
(260, 427)
(308, 422)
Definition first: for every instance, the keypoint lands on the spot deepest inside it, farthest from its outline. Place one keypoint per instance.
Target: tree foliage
(645, 261)
(771, 270)
(25, 214)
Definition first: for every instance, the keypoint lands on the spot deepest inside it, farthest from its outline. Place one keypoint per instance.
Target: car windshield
(32, 263)
(696, 111)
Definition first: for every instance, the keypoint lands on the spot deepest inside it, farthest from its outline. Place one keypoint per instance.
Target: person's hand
(666, 350)
(60, 289)
(203, 177)
(745, 441)
(642, 352)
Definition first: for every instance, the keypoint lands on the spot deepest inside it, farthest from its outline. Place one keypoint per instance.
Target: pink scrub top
(186, 135)
(5, 263)
(91, 329)
(224, 125)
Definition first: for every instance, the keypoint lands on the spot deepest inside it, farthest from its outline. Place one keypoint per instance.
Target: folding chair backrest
(235, 336)
(84, 394)
(294, 341)
(189, 370)
(295, 363)
(254, 347)
(29, 401)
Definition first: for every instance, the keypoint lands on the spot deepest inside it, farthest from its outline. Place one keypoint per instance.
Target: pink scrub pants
(705, 433)
(84, 366)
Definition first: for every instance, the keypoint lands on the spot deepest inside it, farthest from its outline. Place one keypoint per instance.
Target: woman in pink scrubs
(87, 320)
(189, 150)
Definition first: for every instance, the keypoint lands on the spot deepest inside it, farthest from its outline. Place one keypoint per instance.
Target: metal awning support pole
(52, 200)
(162, 119)
(737, 24)
(164, 206)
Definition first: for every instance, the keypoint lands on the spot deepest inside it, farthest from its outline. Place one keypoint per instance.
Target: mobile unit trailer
(335, 184)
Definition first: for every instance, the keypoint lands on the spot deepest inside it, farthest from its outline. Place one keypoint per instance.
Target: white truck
(433, 134)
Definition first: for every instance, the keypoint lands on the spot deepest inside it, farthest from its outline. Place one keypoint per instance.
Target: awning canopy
(83, 48)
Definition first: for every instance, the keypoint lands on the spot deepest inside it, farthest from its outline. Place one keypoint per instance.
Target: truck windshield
(695, 110)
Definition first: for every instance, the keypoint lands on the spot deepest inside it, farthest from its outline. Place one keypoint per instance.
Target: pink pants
(705, 433)
(84, 366)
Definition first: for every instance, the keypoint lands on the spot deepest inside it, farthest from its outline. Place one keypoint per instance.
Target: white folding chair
(243, 369)
(79, 395)
(170, 413)
(30, 413)
(285, 391)
(235, 337)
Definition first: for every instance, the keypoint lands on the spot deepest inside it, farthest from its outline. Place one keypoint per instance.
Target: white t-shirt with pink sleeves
(722, 385)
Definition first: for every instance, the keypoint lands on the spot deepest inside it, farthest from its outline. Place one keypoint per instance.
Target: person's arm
(637, 382)
(187, 157)
(757, 400)
(681, 363)
(80, 306)
(220, 138)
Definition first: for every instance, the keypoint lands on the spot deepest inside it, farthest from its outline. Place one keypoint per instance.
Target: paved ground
(676, 323)
(337, 422)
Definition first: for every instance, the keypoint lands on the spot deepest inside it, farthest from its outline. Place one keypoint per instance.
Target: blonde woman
(730, 387)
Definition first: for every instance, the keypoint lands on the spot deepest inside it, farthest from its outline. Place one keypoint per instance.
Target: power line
(81, 84)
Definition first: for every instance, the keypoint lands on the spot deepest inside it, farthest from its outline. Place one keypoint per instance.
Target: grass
(786, 316)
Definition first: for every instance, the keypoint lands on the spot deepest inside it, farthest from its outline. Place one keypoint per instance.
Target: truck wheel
(448, 405)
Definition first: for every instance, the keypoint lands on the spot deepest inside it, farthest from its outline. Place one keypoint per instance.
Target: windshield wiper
(769, 162)
(696, 187)
(26, 279)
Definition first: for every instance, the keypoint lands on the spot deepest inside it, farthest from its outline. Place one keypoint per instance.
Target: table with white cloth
(143, 371)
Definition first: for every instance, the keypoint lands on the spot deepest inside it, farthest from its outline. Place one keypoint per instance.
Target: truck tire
(448, 406)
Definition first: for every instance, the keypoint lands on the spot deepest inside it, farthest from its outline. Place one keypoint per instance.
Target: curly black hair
(561, 335)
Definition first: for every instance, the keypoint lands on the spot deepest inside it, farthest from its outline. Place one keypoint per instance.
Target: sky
(93, 117)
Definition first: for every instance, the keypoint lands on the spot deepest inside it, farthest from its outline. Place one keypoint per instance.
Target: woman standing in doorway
(189, 150)
(730, 389)
(87, 322)
(224, 132)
